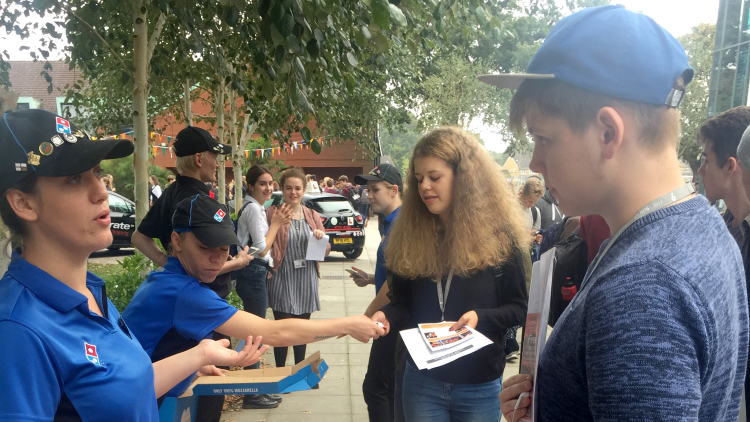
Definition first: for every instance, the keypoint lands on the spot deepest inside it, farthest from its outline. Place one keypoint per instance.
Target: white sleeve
(252, 224)
(157, 191)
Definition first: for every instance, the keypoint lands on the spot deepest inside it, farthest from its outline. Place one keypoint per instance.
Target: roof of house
(522, 160)
(26, 79)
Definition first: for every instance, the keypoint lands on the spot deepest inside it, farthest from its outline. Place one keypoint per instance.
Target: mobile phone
(277, 201)
(354, 273)
(253, 250)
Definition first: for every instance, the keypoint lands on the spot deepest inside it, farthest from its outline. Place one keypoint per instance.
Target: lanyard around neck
(444, 298)
(661, 202)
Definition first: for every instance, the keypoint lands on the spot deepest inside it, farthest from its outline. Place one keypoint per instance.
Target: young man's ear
(176, 246)
(732, 165)
(23, 204)
(610, 129)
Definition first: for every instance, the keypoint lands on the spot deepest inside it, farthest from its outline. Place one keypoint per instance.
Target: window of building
(22, 106)
(729, 81)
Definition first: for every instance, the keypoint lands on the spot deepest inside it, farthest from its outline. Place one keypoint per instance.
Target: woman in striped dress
(293, 291)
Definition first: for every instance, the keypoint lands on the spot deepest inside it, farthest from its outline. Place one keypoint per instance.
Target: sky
(677, 16)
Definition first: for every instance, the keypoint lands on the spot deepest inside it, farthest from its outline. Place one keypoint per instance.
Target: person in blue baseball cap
(67, 355)
(659, 328)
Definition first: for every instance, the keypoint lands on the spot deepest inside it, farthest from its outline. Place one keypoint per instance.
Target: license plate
(343, 240)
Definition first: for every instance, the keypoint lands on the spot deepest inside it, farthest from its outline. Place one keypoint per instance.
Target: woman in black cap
(67, 353)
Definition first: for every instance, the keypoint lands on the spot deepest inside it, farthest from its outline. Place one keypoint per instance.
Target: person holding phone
(293, 291)
(253, 230)
(384, 185)
(66, 352)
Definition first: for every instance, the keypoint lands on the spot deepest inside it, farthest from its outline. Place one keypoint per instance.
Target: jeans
(364, 209)
(426, 399)
(251, 288)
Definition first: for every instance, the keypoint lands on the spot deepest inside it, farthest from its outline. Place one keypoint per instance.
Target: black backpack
(233, 249)
(572, 262)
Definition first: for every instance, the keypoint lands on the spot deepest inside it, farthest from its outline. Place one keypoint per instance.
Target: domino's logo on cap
(63, 126)
(219, 216)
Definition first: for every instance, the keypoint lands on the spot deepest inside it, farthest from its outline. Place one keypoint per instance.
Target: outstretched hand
(215, 352)
(363, 329)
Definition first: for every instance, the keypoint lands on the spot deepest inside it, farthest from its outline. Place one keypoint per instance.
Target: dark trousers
(279, 353)
(378, 387)
(251, 288)
(398, 402)
(209, 407)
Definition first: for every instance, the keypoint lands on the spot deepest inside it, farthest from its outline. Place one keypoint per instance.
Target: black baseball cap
(382, 173)
(207, 219)
(38, 141)
(194, 140)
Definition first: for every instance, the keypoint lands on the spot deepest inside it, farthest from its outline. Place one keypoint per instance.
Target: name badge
(300, 263)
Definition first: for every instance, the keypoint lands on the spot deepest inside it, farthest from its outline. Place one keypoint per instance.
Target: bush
(124, 280)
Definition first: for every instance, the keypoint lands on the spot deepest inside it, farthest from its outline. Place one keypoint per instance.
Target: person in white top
(253, 230)
(155, 191)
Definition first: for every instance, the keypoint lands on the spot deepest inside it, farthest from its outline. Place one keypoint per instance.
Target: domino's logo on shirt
(219, 216)
(63, 126)
(91, 354)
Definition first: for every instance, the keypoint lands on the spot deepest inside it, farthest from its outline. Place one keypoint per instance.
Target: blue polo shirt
(172, 312)
(60, 361)
(380, 271)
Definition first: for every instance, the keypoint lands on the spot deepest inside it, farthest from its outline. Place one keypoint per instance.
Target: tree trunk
(140, 122)
(188, 105)
(236, 169)
(221, 177)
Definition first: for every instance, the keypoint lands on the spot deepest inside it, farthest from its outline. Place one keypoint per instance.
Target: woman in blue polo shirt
(66, 353)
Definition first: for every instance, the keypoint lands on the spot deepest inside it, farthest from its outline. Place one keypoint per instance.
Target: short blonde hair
(186, 164)
(420, 246)
(533, 187)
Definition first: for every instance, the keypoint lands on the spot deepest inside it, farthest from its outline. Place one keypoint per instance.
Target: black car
(122, 226)
(344, 226)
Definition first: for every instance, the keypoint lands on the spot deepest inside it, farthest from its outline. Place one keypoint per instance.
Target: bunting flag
(247, 153)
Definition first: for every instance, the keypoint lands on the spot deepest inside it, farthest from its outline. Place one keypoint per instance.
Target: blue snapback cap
(609, 50)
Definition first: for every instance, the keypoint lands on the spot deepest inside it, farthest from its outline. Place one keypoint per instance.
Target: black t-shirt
(500, 304)
(158, 221)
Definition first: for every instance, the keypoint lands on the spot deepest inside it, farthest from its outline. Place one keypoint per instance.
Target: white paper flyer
(440, 337)
(535, 334)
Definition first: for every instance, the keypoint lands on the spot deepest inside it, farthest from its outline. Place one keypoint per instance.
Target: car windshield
(119, 205)
(332, 205)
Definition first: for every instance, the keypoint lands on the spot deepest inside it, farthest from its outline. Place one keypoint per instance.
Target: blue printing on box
(172, 408)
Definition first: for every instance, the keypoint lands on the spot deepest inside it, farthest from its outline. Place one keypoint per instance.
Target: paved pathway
(339, 398)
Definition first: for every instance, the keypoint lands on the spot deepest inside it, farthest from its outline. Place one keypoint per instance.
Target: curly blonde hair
(486, 222)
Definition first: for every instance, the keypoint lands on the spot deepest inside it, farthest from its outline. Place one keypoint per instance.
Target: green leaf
(351, 59)
(381, 43)
(276, 37)
(299, 68)
(481, 15)
(260, 58)
(319, 35)
(497, 34)
(125, 77)
(315, 146)
(279, 53)
(286, 25)
(263, 7)
(397, 16)
(277, 13)
(231, 16)
(413, 47)
(312, 48)
(380, 13)
(294, 44)
(297, 6)
(438, 12)
(366, 32)
(306, 133)
(302, 101)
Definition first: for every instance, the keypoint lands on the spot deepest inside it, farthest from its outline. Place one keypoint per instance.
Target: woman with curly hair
(461, 231)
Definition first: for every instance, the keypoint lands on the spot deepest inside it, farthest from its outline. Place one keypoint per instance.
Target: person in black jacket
(548, 210)
(435, 245)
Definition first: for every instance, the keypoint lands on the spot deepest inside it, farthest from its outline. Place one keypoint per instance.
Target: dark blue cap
(207, 219)
(609, 50)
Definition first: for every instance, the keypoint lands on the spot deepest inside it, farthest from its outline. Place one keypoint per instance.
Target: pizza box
(302, 376)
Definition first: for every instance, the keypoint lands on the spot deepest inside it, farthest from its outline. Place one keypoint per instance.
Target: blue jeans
(251, 288)
(426, 399)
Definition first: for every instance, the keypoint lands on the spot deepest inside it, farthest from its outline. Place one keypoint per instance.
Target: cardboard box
(302, 376)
